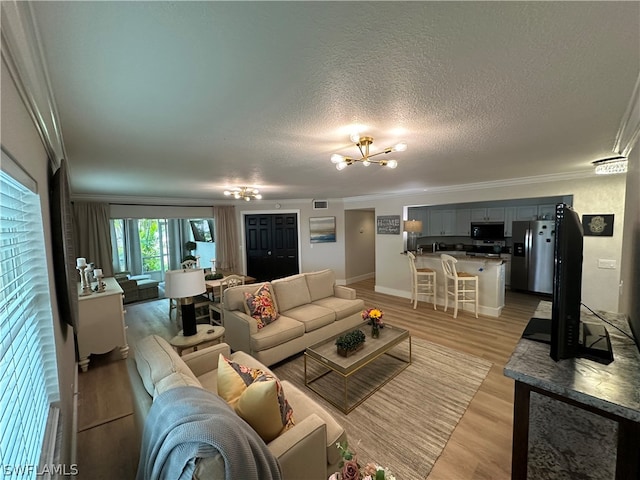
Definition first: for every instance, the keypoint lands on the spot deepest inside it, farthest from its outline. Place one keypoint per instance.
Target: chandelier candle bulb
(81, 262)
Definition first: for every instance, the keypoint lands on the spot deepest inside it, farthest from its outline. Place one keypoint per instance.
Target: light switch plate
(604, 263)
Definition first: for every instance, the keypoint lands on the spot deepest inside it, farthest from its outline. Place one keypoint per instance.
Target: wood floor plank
(479, 448)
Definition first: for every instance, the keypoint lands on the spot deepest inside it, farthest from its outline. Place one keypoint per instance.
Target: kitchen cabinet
(546, 212)
(506, 258)
(442, 222)
(463, 222)
(101, 325)
(527, 212)
(509, 215)
(422, 214)
(493, 214)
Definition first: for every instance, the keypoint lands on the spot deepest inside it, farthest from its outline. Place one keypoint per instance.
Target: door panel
(272, 245)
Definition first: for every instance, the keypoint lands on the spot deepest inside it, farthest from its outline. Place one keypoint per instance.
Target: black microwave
(487, 231)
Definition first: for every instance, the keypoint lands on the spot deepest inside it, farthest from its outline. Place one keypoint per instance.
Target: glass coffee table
(346, 382)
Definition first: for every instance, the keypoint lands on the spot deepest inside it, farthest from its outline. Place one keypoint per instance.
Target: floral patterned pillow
(261, 306)
(256, 396)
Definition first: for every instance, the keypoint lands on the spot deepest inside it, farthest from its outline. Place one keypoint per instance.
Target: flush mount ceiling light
(609, 166)
(363, 144)
(244, 193)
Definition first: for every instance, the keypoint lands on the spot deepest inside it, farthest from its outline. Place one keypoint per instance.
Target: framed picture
(598, 225)
(322, 229)
(388, 224)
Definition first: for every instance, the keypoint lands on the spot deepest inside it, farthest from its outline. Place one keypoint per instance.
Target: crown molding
(629, 130)
(22, 53)
(512, 182)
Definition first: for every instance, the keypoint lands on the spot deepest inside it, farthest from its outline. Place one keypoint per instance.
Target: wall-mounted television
(570, 337)
(202, 230)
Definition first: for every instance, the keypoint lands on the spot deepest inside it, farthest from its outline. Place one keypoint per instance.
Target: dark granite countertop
(613, 388)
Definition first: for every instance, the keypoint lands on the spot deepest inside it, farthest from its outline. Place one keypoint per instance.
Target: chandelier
(613, 165)
(363, 144)
(244, 193)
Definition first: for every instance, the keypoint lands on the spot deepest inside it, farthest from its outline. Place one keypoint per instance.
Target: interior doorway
(271, 245)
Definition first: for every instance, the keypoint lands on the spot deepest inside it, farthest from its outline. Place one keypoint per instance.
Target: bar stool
(460, 285)
(423, 282)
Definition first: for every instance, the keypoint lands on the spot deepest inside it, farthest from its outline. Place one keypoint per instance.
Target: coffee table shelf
(380, 355)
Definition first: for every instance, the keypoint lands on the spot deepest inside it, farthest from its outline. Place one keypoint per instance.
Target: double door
(271, 245)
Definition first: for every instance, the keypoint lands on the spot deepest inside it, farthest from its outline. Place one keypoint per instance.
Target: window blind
(29, 378)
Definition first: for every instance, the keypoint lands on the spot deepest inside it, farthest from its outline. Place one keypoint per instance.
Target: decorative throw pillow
(256, 396)
(261, 306)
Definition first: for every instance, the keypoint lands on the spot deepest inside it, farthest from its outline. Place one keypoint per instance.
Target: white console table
(101, 326)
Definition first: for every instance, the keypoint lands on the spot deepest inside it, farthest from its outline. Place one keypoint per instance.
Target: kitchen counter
(461, 255)
(491, 279)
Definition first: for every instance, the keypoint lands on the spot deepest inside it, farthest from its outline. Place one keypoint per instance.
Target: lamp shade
(413, 226)
(184, 283)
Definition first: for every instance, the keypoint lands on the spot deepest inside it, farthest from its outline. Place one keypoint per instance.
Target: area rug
(406, 424)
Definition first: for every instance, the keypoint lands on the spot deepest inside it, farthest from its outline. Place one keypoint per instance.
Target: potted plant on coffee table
(350, 342)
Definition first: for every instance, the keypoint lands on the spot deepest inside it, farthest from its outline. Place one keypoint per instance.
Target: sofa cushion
(304, 406)
(256, 396)
(176, 379)
(291, 292)
(320, 284)
(342, 307)
(260, 306)
(312, 316)
(155, 360)
(285, 329)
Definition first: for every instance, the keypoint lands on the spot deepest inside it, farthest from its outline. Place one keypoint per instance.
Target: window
(29, 379)
(155, 245)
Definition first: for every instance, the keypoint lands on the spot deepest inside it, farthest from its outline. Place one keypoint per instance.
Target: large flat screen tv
(570, 337)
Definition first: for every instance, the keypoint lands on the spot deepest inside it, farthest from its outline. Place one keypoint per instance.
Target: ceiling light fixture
(244, 193)
(363, 144)
(609, 166)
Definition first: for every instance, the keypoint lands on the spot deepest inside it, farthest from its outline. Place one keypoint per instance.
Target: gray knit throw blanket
(187, 423)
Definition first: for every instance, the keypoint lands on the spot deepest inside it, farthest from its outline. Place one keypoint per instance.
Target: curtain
(133, 254)
(178, 236)
(226, 232)
(93, 234)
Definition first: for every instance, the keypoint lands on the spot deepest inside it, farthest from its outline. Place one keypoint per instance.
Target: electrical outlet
(608, 264)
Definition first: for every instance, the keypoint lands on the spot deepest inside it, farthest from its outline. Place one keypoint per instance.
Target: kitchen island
(491, 279)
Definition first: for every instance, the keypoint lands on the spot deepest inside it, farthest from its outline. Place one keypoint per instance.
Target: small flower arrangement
(350, 469)
(351, 340)
(374, 317)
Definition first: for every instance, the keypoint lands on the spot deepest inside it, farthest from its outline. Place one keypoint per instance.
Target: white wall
(630, 270)
(21, 140)
(593, 194)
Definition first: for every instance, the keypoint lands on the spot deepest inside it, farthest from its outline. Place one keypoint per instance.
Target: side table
(206, 333)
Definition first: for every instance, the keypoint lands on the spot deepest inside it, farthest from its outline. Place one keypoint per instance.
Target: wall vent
(320, 204)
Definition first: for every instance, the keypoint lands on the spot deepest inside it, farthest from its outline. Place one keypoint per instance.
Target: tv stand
(576, 418)
(595, 343)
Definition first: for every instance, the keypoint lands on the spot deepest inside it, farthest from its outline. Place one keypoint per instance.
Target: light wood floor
(479, 448)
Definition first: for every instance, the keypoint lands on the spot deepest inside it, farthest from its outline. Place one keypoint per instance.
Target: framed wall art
(598, 225)
(388, 225)
(322, 229)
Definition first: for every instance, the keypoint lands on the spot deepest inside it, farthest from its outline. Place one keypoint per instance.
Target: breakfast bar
(490, 272)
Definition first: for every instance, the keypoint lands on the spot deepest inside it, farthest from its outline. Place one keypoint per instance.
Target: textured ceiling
(185, 99)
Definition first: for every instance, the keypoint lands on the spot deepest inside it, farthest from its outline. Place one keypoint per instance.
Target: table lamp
(183, 285)
(412, 227)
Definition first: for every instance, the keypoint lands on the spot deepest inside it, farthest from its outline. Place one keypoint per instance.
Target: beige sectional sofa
(311, 308)
(307, 450)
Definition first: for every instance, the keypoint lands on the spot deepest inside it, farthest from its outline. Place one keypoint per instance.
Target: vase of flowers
(374, 318)
(350, 469)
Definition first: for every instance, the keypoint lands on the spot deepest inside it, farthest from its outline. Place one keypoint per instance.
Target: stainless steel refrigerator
(532, 260)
